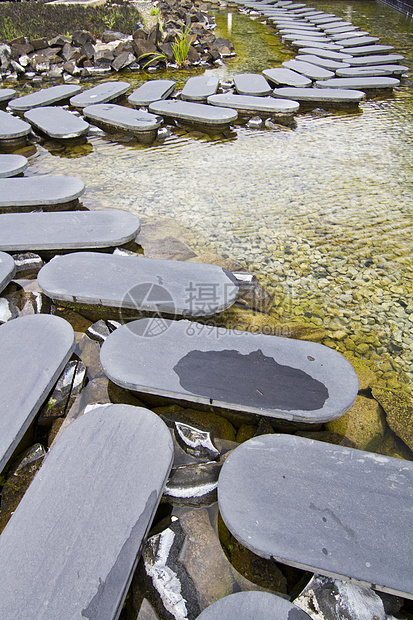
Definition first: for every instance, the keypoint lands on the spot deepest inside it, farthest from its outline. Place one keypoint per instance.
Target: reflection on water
(322, 213)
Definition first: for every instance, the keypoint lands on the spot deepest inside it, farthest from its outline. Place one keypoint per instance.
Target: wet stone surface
(102, 93)
(252, 84)
(51, 192)
(152, 90)
(199, 88)
(12, 127)
(57, 122)
(286, 77)
(196, 113)
(44, 97)
(12, 165)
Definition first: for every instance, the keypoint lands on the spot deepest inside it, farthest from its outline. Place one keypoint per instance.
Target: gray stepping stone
(57, 122)
(282, 76)
(324, 53)
(266, 375)
(71, 547)
(358, 41)
(6, 94)
(247, 605)
(102, 93)
(375, 59)
(12, 128)
(110, 116)
(152, 90)
(7, 269)
(360, 83)
(331, 65)
(246, 103)
(372, 71)
(299, 43)
(336, 24)
(338, 29)
(199, 88)
(313, 72)
(44, 97)
(34, 351)
(252, 84)
(368, 50)
(342, 36)
(138, 284)
(66, 230)
(323, 96)
(50, 192)
(12, 165)
(194, 113)
(354, 507)
(286, 29)
(326, 19)
(286, 38)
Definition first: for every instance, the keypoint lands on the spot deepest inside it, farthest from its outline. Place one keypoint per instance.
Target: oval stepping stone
(12, 128)
(372, 71)
(299, 43)
(357, 41)
(143, 125)
(336, 24)
(313, 72)
(6, 94)
(299, 30)
(199, 88)
(247, 605)
(138, 284)
(34, 351)
(57, 123)
(266, 375)
(266, 105)
(57, 192)
(7, 269)
(375, 59)
(12, 165)
(44, 97)
(318, 38)
(194, 113)
(323, 53)
(102, 93)
(322, 16)
(331, 65)
(66, 230)
(342, 36)
(324, 20)
(252, 84)
(339, 28)
(360, 83)
(286, 77)
(80, 527)
(368, 50)
(321, 95)
(278, 492)
(152, 90)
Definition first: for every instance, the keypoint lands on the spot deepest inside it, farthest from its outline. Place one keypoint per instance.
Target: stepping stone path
(73, 230)
(7, 269)
(152, 90)
(333, 510)
(102, 93)
(71, 546)
(248, 605)
(313, 72)
(57, 123)
(331, 65)
(368, 50)
(112, 117)
(252, 84)
(376, 59)
(330, 54)
(317, 44)
(324, 96)
(199, 88)
(34, 350)
(43, 97)
(138, 284)
(12, 165)
(47, 192)
(360, 83)
(197, 114)
(286, 77)
(5, 95)
(255, 105)
(281, 378)
(13, 131)
(357, 41)
(372, 71)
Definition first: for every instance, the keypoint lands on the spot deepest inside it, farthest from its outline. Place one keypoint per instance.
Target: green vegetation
(180, 49)
(40, 19)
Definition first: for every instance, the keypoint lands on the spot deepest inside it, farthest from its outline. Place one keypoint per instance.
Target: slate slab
(57, 122)
(252, 84)
(318, 44)
(297, 29)
(194, 113)
(324, 53)
(6, 94)
(278, 492)
(286, 77)
(338, 27)
(313, 72)
(7, 269)
(265, 105)
(143, 125)
(71, 547)
(102, 93)
(340, 36)
(358, 41)
(374, 70)
(72, 230)
(199, 88)
(321, 95)
(303, 36)
(266, 375)
(369, 50)
(375, 59)
(325, 63)
(139, 284)
(44, 97)
(247, 605)
(12, 165)
(360, 83)
(12, 128)
(35, 349)
(326, 19)
(49, 192)
(335, 24)
(152, 90)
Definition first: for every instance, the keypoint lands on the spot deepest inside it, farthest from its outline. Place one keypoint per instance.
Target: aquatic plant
(181, 45)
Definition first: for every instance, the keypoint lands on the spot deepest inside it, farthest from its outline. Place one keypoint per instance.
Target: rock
(141, 46)
(365, 373)
(217, 424)
(122, 61)
(34, 302)
(167, 248)
(109, 35)
(27, 264)
(195, 441)
(147, 612)
(99, 331)
(328, 437)
(5, 53)
(245, 432)
(104, 58)
(362, 424)
(81, 37)
(39, 43)
(398, 406)
(220, 261)
(59, 41)
(39, 63)
(68, 386)
(8, 310)
(193, 484)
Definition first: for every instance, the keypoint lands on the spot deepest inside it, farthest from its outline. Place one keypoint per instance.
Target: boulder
(398, 406)
(363, 424)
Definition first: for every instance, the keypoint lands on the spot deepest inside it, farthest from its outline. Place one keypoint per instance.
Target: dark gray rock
(7, 269)
(27, 264)
(193, 484)
(241, 371)
(247, 605)
(57, 122)
(102, 93)
(44, 97)
(199, 88)
(68, 386)
(115, 455)
(152, 90)
(341, 499)
(195, 441)
(8, 310)
(99, 331)
(52, 192)
(35, 349)
(123, 60)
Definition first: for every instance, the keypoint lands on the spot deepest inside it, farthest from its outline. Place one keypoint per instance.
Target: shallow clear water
(322, 213)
